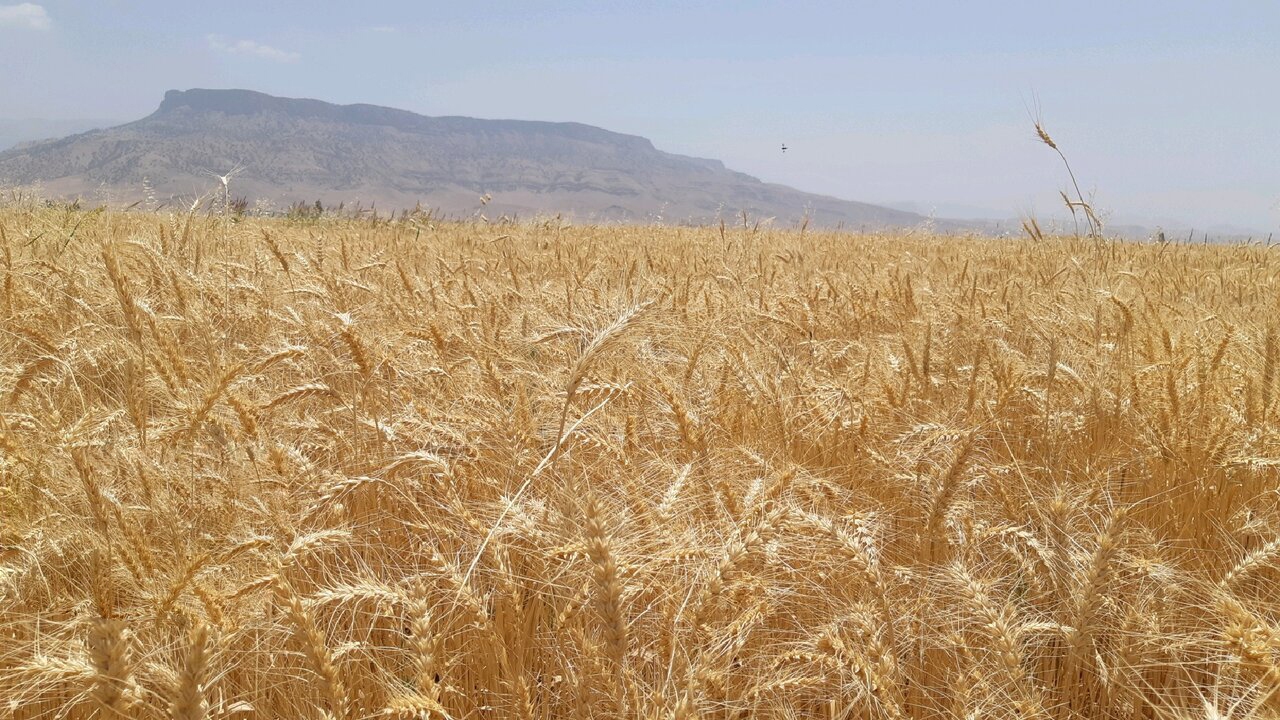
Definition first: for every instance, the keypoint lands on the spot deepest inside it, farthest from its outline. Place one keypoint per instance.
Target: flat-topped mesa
(249, 102)
(231, 102)
(299, 150)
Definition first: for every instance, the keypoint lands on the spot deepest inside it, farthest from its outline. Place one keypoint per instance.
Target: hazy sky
(1168, 110)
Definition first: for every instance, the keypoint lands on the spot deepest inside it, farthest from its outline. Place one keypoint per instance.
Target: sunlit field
(355, 468)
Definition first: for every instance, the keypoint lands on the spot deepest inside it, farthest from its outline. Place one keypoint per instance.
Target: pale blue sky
(1169, 110)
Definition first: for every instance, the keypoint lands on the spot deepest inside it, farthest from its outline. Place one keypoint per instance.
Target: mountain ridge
(301, 150)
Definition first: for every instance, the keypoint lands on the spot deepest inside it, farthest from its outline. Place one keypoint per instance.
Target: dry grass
(349, 469)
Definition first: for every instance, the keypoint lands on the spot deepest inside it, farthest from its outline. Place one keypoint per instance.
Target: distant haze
(14, 131)
(1164, 108)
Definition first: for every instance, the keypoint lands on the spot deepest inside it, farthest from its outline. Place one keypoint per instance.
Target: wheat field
(356, 468)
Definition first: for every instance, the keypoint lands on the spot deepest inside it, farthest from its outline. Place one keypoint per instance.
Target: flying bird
(784, 147)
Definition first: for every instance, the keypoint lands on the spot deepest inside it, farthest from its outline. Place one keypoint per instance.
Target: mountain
(305, 150)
